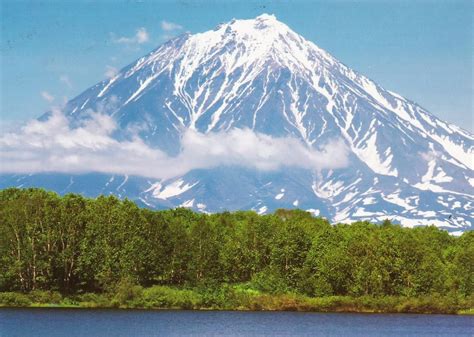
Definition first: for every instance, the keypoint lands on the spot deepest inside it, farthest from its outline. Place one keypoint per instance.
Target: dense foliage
(74, 245)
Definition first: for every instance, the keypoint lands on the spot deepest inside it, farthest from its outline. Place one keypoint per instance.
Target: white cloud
(47, 96)
(166, 37)
(170, 30)
(170, 26)
(141, 36)
(54, 146)
(244, 147)
(110, 71)
(65, 79)
(9, 125)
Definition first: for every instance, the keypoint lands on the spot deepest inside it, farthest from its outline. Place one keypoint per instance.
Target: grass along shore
(236, 297)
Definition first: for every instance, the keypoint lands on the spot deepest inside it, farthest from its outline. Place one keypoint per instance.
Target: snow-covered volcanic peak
(243, 43)
(259, 75)
(255, 42)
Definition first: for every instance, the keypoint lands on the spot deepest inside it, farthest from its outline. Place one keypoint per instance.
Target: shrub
(166, 297)
(92, 300)
(128, 294)
(45, 297)
(11, 299)
(269, 281)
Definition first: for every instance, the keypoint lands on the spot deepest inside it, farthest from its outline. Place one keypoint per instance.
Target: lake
(136, 323)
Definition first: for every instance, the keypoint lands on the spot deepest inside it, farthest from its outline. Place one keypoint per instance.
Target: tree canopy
(75, 244)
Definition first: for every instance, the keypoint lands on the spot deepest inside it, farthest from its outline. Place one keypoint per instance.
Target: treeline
(75, 245)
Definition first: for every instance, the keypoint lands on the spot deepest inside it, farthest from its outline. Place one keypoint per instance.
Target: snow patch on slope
(172, 190)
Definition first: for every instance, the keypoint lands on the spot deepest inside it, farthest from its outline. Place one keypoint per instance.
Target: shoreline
(240, 302)
(469, 312)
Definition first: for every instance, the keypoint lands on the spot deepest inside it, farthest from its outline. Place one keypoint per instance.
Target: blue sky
(53, 50)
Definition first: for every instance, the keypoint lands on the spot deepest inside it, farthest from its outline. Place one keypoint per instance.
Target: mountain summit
(404, 164)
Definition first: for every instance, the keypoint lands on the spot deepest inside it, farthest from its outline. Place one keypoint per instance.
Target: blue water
(117, 323)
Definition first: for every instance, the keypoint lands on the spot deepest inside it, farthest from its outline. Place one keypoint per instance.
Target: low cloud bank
(54, 145)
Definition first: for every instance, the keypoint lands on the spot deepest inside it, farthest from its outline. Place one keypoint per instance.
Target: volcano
(403, 163)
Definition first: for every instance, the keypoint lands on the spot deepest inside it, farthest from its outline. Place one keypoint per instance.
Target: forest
(105, 252)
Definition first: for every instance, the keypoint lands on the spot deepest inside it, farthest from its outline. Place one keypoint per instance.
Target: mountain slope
(405, 164)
